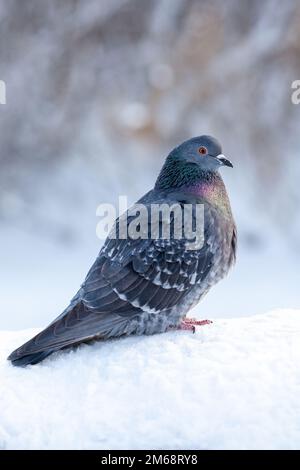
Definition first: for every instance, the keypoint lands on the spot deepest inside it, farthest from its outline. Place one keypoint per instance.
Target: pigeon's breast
(212, 191)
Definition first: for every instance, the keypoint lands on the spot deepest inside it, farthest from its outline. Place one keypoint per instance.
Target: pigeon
(146, 283)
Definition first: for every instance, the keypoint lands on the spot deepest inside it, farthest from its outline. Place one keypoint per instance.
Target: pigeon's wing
(233, 245)
(128, 278)
(151, 275)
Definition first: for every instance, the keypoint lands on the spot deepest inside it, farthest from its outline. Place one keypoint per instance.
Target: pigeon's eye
(202, 150)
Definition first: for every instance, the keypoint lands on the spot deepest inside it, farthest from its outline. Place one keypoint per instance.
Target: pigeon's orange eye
(202, 150)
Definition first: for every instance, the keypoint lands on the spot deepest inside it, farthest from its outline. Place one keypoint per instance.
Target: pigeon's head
(192, 161)
(204, 151)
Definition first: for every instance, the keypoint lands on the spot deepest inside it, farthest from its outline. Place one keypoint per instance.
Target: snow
(235, 384)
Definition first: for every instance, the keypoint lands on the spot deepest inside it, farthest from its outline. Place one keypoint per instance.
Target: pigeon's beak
(224, 161)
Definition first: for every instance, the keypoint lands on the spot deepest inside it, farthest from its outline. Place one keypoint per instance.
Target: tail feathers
(28, 359)
(77, 325)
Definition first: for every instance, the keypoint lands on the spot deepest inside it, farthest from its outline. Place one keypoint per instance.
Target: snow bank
(234, 384)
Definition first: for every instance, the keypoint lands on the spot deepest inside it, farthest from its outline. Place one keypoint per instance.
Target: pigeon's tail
(43, 344)
(76, 325)
(28, 359)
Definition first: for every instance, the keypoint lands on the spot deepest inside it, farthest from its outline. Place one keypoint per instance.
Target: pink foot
(191, 323)
(186, 326)
(194, 321)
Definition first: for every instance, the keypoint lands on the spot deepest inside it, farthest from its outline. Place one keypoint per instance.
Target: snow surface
(235, 384)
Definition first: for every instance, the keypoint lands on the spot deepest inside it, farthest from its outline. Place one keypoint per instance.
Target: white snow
(235, 384)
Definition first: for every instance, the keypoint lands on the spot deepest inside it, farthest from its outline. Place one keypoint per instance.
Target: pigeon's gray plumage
(147, 285)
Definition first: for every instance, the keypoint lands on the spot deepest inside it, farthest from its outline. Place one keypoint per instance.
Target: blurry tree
(98, 91)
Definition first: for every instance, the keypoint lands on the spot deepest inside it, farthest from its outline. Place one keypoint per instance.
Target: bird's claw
(190, 324)
(194, 321)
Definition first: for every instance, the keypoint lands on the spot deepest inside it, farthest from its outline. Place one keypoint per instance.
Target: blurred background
(98, 92)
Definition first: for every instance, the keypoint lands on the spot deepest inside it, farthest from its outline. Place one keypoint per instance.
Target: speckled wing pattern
(151, 275)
